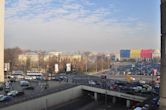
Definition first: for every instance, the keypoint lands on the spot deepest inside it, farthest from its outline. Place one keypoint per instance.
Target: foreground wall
(48, 101)
(163, 56)
(1, 40)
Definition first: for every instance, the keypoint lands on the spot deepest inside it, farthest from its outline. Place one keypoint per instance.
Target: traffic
(20, 87)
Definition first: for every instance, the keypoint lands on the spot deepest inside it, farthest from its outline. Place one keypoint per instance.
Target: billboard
(135, 53)
(124, 53)
(68, 67)
(146, 53)
(7, 67)
(56, 68)
(156, 54)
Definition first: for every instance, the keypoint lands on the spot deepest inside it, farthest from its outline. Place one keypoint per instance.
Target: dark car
(12, 79)
(57, 79)
(20, 93)
(1, 87)
(29, 88)
(5, 99)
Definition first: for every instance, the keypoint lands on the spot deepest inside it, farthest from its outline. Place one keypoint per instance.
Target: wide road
(37, 92)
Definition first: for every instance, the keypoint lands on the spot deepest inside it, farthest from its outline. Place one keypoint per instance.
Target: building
(2, 40)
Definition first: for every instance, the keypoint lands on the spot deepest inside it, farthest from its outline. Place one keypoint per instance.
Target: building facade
(2, 40)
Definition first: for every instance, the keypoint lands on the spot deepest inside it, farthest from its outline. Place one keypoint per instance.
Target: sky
(82, 25)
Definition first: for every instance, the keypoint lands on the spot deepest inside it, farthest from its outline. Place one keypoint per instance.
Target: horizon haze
(81, 25)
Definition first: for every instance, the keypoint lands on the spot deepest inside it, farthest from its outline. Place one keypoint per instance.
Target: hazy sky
(72, 25)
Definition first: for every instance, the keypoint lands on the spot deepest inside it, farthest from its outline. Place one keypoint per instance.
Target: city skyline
(71, 25)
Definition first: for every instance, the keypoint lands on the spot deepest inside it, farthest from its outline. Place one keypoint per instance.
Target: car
(20, 93)
(56, 79)
(138, 108)
(28, 78)
(158, 103)
(91, 82)
(1, 96)
(147, 106)
(39, 78)
(1, 87)
(155, 100)
(137, 89)
(144, 108)
(12, 93)
(142, 82)
(12, 80)
(24, 83)
(5, 98)
(29, 88)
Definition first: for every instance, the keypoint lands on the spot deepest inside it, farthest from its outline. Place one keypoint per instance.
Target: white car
(138, 108)
(142, 82)
(137, 88)
(28, 78)
(12, 93)
(91, 82)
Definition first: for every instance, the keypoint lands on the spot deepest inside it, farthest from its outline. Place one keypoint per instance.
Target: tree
(41, 63)
(28, 63)
(11, 56)
(86, 54)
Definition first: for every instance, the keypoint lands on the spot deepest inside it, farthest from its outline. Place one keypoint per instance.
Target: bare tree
(11, 56)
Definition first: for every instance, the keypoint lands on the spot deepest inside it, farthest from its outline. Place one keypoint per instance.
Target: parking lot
(64, 81)
(144, 89)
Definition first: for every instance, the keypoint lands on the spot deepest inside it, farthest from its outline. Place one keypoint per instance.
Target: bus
(34, 75)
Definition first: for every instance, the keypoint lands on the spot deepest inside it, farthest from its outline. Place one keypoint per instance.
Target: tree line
(87, 62)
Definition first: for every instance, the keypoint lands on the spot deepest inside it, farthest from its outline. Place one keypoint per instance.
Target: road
(37, 92)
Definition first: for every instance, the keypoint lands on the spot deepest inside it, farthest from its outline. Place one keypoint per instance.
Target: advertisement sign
(68, 67)
(135, 53)
(7, 66)
(146, 53)
(125, 53)
(154, 72)
(56, 68)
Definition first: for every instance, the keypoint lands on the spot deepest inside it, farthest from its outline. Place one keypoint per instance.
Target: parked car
(1, 96)
(28, 78)
(29, 88)
(12, 79)
(20, 93)
(138, 108)
(5, 98)
(24, 83)
(1, 87)
(91, 82)
(56, 79)
(12, 93)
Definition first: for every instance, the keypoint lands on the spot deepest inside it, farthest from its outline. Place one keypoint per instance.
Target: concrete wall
(114, 93)
(47, 101)
(163, 56)
(1, 40)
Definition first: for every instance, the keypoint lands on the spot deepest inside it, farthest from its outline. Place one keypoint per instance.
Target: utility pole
(2, 3)
(102, 58)
(96, 65)
(86, 66)
(163, 56)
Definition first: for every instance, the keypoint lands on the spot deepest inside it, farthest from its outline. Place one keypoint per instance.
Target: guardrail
(36, 94)
(95, 88)
(114, 93)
